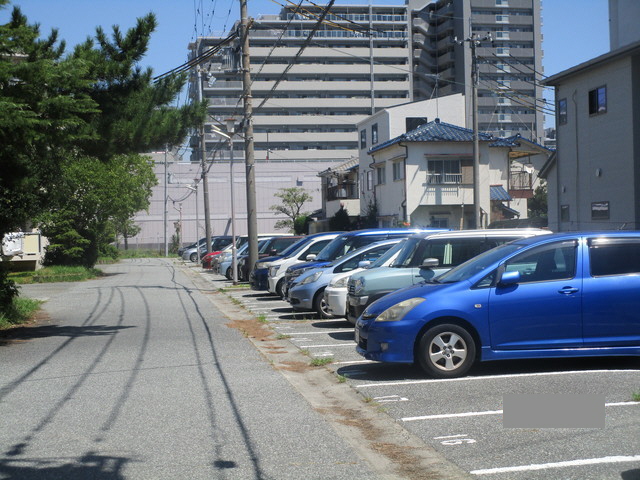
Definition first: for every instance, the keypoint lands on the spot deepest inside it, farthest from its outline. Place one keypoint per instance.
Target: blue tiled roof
(435, 131)
(497, 192)
(515, 141)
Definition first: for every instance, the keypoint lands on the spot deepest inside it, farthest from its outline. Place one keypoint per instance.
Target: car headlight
(399, 310)
(273, 270)
(263, 265)
(358, 285)
(310, 278)
(339, 283)
(297, 272)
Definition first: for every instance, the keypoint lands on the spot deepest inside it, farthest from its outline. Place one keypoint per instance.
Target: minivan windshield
(471, 267)
(296, 247)
(384, 258)
(340, 246)
(408, 252)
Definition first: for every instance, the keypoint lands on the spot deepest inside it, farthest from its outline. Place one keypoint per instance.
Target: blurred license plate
(357, 336)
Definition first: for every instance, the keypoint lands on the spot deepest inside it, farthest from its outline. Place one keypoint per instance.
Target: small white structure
(25, 250)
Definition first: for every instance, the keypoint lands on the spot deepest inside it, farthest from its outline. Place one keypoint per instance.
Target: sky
(573, 30)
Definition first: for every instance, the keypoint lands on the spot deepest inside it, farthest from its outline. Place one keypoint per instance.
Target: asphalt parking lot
(463, 418)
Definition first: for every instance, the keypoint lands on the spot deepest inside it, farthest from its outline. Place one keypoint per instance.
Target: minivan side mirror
(310, 257)
(509, 278)
(430, 263)
(364, 263)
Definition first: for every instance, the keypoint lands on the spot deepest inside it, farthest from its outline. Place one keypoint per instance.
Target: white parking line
(329, 346)
(354, 362)
(492, 412)
(316, 333)
(491, 377)
(569, 463)
(451, 436)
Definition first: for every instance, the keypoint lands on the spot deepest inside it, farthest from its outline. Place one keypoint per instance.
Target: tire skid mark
(90, 320)
(227, 388)
(57, 407)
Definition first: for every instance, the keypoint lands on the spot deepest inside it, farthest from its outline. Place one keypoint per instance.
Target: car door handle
(568, 290)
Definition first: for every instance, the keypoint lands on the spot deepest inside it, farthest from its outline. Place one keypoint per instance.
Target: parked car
(269, 273)
(341, 245)
(211, 260)
(335, 295)
(217, 244)
(306, 293)
(224, 263)
(550, 296)
(424, 256)
(275, 246)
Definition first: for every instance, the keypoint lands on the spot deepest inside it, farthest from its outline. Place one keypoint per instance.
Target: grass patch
(636, 397)
(55, 274)
(342, 379)
(20, 311)
(321, 361)
(282, 336)
(262, 318)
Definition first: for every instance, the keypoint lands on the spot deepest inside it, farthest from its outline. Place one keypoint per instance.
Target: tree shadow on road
(43, 331)
(96, 467)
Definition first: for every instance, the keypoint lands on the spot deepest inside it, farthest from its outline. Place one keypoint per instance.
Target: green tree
(94, 109)
(537, 205)
(91, 197)
(340, 221)
(292, 202)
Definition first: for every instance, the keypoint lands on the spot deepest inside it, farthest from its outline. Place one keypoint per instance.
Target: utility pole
(252, 221)
(165, 212)
(203, 166)
(474, 41)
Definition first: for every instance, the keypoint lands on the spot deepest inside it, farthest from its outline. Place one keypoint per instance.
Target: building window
(562, 111)
(369, 179)
(502, 18)
(502, 3)
(502, 51)
(374, 133)
(564, 213)
(598, 101)
(381, 175)
(398, 170)
(600, 211)
(363, 138)
(444, 171)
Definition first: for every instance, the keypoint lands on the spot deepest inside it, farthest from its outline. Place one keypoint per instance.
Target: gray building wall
(598, 156)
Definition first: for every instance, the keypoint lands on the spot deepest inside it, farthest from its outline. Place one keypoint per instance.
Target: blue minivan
(559, 295)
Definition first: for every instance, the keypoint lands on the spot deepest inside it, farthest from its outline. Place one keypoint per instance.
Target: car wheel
(279, 287)
(446, 351)
(320, 305)
(193, 257)
(229, 274)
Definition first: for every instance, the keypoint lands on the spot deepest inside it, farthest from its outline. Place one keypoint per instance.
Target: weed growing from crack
(320, 361)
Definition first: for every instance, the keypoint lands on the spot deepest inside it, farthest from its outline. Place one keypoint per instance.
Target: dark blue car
(559, 295)
(343, 244)
(258, 277)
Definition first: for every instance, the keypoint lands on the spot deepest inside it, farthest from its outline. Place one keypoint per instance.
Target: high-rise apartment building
(363, 58)
(306, 102)
(509, 65)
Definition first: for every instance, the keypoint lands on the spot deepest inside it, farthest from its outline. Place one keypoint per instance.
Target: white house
(424, 178)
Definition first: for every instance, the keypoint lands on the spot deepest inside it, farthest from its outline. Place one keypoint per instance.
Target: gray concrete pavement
(138, 375)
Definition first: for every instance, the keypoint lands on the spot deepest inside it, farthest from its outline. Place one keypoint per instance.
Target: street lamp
(229, 136)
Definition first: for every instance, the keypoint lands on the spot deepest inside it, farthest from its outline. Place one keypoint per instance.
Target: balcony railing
(520, 181)
(444, 178)
(342, 191)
